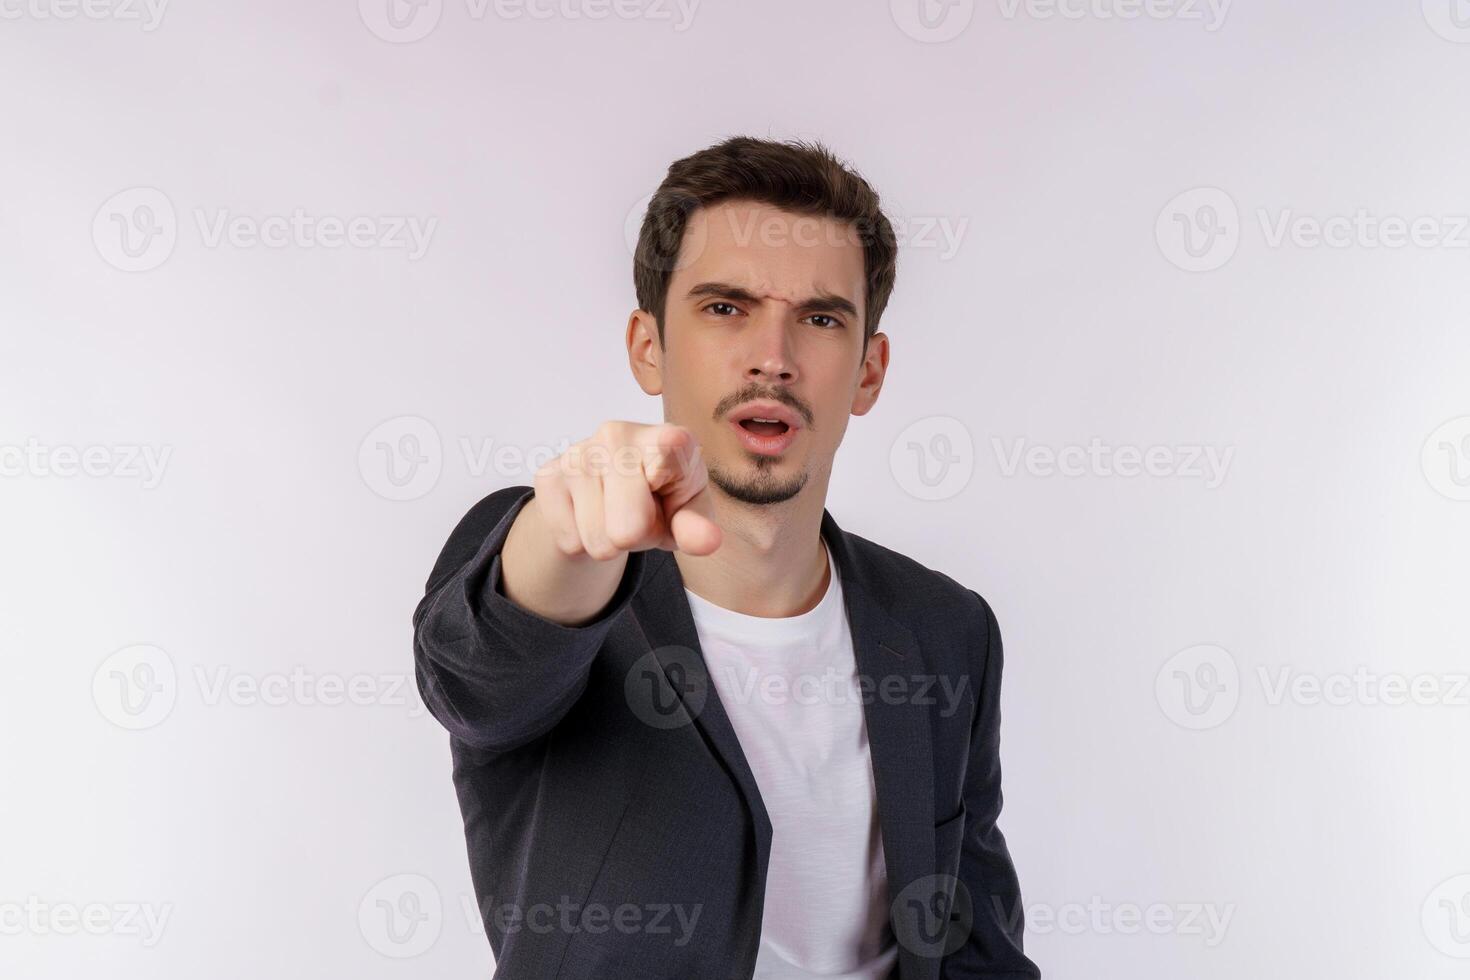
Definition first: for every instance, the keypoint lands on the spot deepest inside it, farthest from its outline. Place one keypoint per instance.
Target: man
(698, 730)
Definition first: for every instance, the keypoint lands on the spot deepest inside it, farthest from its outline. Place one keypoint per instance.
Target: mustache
(756, 393)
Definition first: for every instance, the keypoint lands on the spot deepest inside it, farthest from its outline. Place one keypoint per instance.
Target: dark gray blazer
(614, 829)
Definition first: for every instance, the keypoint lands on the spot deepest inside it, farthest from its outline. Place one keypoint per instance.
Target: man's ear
(645, 353)
(871, 372)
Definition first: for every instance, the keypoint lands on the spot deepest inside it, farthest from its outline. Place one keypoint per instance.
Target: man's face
(763, 320)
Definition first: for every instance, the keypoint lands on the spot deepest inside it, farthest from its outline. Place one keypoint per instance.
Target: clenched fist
(629, 487)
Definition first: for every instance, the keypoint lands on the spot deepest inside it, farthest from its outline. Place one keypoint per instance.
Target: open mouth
(765, 427)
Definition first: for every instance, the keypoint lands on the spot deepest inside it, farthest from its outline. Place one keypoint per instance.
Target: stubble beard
(760, 488)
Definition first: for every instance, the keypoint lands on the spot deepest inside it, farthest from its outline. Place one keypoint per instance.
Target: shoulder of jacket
(911, 590)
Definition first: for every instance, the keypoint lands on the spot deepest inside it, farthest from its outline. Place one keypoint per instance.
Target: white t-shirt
(789, 686)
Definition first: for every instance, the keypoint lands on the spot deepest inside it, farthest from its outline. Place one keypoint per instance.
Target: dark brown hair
(796, 176)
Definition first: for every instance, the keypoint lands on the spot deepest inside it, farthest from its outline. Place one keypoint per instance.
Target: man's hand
(627, 488)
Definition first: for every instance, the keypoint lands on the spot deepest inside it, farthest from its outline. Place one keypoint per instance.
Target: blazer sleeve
(494, 674)
(994, 949)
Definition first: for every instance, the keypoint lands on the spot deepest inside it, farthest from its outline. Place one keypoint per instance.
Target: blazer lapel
(899, 739)
(668, 625)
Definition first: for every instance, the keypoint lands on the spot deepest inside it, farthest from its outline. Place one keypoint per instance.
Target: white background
(1052, 143)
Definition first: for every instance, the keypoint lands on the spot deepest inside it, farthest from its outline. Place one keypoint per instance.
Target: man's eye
(717, 308)
(831, 321)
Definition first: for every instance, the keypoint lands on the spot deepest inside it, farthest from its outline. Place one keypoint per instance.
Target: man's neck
(771, 563)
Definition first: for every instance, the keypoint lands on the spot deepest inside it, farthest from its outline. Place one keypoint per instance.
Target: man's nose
(770, 355)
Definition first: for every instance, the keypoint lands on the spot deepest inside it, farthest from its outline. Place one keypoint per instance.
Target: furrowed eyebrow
(821, 303)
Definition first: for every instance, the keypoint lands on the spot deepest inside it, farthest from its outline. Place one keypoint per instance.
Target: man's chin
(758, 487)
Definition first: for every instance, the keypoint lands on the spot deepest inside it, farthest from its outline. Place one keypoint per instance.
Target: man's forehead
(765, 252)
